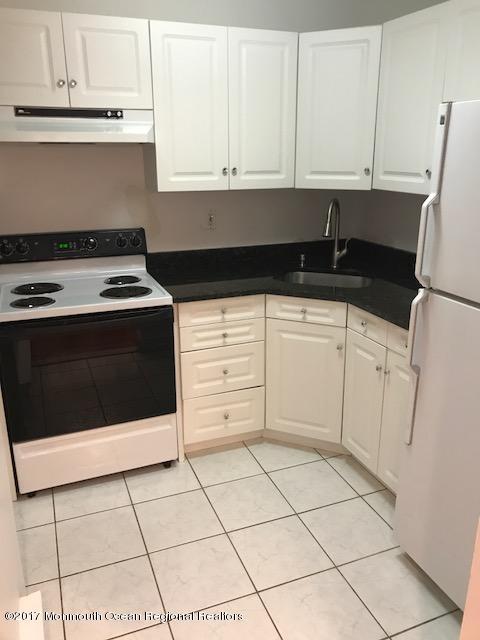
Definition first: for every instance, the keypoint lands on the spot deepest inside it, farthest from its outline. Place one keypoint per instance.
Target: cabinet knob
(72, 84)
(223, 310)
(225, 372)
(225, 171)
(364, 323)
(366, 171)
(303, 311)
(387, 372)
(339, 347)
(225, 335)
(234, 171)
(428, 173)
(378, 367)
(60, 83)
(226, 416)
(405, 345)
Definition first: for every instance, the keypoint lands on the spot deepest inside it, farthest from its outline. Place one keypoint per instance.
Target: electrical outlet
(212, 221)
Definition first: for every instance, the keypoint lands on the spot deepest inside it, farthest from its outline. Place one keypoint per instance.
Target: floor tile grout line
(237, 554)
(421, 624)
(131, 633)
(378, 514)
(149, 558)
(58, 564)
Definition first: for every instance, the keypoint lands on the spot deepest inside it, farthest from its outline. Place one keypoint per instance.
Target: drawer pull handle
(225, 372)
(378, 367)
(226, 416)
(339, 347)
(225, 335)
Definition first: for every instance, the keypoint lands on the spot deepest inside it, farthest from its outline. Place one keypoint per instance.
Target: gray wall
(295, 15)
(54, 187)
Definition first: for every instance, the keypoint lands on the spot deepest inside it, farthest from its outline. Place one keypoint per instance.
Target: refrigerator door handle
(434, 197)
(420, 298)
(422, 237)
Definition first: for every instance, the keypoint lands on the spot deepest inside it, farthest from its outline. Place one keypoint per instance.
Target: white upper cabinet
(108, 61)
(32, 59)
(337, 101)
(411, 89)
(190, 89)
(262, 101)
(463, 71)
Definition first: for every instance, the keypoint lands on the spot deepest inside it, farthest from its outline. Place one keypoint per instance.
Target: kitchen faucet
(334, 210)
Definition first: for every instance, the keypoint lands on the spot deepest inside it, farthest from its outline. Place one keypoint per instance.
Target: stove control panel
(72, 244)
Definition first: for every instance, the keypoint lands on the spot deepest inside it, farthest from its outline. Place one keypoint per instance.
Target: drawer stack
(222, 344)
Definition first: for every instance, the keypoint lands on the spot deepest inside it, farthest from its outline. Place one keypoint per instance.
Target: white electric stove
(86, 356)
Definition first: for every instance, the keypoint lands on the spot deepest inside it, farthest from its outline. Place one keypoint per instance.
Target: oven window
(78, 374)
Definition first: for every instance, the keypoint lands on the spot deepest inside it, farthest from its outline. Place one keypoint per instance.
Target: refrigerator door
(451, 259)
(438, 502)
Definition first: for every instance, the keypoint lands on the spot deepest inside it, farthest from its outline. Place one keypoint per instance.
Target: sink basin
(319, 279)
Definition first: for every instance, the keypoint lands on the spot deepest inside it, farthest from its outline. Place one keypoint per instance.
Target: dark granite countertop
(222, 273)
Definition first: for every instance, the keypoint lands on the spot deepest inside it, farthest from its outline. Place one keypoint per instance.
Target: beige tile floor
(261, 540)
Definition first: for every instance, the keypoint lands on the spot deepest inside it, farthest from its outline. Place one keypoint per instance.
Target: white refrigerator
(438, 503)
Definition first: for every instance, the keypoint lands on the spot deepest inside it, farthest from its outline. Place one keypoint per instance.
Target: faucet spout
(334, 213)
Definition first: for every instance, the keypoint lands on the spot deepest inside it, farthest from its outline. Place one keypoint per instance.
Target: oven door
(69, 374)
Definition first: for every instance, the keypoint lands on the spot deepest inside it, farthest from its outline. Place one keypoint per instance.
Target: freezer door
(438, 502)
(452, 258)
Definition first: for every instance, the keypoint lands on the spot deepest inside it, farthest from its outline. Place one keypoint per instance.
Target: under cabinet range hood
(46, 124)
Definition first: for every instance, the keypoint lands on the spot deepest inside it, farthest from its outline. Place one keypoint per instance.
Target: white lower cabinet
(224, 414)
(394, 418)
(305, 371)
(364, 380)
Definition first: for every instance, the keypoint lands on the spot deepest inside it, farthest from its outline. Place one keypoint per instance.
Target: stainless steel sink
(319, 279)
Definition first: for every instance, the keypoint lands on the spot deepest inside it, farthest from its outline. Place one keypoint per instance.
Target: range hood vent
(45, 124)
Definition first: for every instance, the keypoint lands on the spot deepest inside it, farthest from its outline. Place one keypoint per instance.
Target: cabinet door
(305, 368)
(411, 88)
(362, 411)
(262, 94)
(462, 81)
(190, 89)
(32, 59)
(337, 102)
(108, 61)
(394, 418)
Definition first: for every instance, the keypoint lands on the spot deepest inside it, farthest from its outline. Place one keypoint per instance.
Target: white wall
(294, 15)
(61, 187)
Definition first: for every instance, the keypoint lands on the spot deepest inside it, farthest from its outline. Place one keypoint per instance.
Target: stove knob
(91, 244)
(22, 247)
(121, 241)
(135, 241)
(6, 248)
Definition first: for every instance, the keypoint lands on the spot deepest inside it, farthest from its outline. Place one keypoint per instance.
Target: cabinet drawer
(397, 339)
(224, 414)
(307, 310)
(367, 324)
(211, 371)
(192, 314)
(221, 334)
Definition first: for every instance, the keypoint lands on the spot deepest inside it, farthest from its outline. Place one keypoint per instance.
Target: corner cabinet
(414, 50)
(462, 80)
(224, 107)
(337, 102)
(54, 59)
(305, 367)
